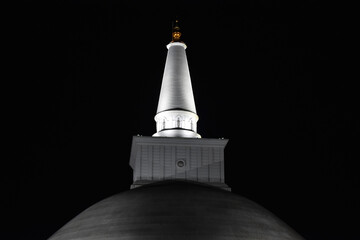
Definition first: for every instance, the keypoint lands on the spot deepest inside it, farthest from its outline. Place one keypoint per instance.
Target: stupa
(179, 190)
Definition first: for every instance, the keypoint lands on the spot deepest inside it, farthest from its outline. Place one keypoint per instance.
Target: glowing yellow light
(176, 36)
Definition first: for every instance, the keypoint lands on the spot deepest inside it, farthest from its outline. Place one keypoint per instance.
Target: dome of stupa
(175, 210)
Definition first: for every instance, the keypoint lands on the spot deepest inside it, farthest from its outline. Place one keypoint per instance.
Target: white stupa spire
(176, 151)
(176, 113)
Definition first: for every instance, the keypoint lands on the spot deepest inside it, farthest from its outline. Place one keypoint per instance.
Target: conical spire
(176, 112)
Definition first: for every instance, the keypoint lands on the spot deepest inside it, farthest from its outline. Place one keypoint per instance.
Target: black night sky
(266, 75)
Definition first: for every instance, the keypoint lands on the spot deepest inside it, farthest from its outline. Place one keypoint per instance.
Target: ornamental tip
(176, 34)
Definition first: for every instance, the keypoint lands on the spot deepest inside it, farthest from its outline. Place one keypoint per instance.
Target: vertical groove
(152, 161)
(163, 162)
(208, 167)
(140, 163)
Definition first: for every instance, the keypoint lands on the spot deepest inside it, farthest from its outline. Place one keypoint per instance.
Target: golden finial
(176, 34)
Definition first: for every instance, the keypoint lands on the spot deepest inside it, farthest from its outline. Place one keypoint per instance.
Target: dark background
(267, 75)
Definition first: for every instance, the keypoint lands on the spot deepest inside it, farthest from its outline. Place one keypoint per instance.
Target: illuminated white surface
(177, 133)
(176, 119)
(176, 113)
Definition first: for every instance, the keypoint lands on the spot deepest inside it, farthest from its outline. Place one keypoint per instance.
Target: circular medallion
(180, 163)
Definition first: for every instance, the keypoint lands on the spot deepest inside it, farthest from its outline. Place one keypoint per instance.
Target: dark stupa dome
(175, 210)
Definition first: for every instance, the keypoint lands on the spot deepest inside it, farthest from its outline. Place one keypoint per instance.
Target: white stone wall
(156, 159)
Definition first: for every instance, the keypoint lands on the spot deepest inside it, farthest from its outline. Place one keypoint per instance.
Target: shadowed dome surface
(175, 210)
